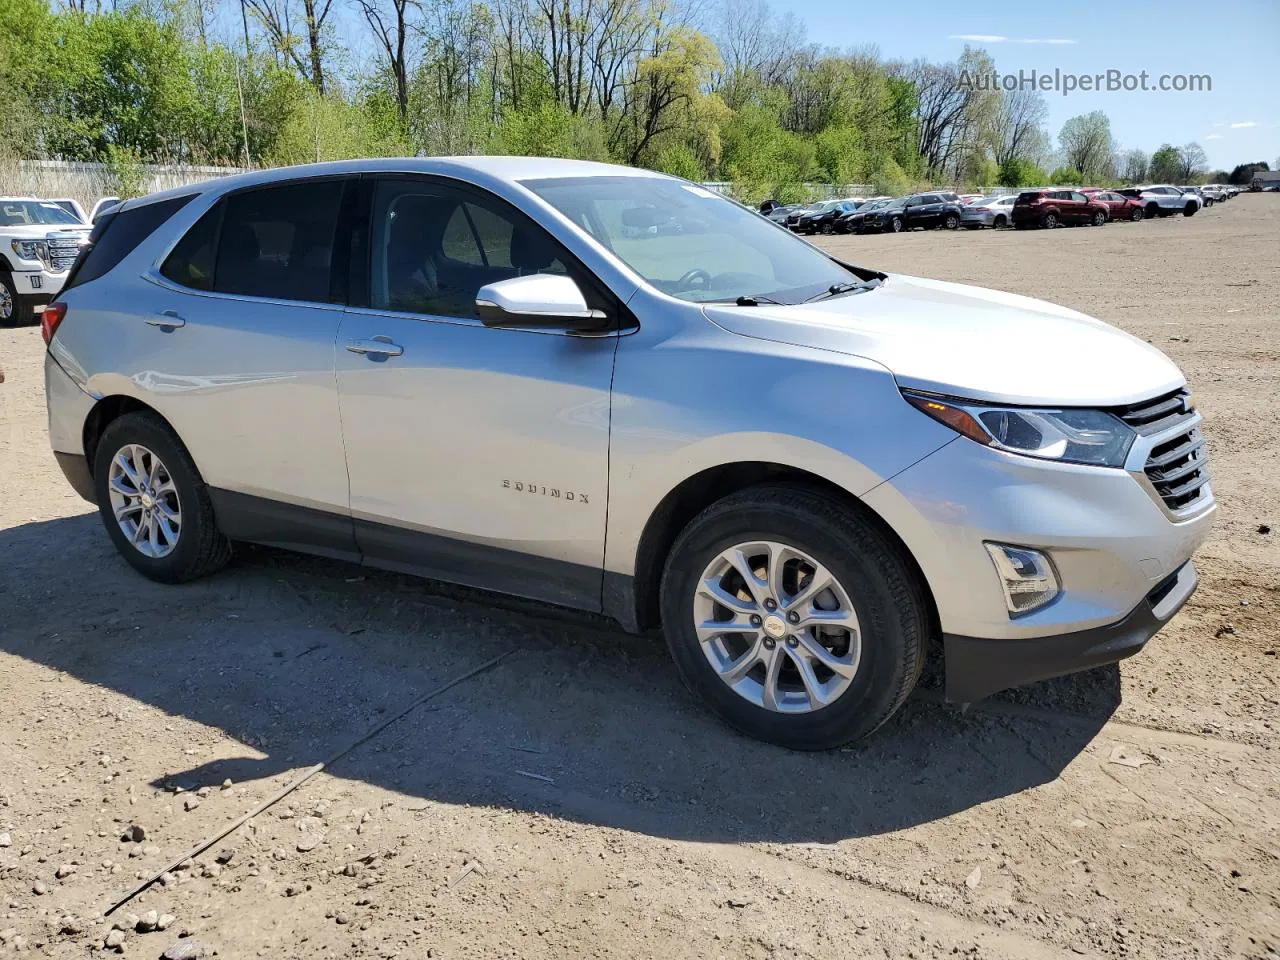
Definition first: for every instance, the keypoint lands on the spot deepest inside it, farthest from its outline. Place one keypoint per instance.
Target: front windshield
(690, 243)
(34, 213)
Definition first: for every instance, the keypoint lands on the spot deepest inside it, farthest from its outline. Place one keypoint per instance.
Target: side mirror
(537, 300)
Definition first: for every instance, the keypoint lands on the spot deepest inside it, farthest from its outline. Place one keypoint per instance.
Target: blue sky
(1239, 47)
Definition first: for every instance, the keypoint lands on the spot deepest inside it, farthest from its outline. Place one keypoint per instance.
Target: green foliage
(127, 171)
(1067, 177)
(1016, 172)
(1165, 164)
(1242, 175)
(679, 160)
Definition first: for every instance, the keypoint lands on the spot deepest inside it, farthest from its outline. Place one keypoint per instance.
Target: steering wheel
(697, 274)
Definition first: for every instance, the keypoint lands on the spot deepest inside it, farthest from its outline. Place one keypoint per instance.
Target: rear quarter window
(117, 234)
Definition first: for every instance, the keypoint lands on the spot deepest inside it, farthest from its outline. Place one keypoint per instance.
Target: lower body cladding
(1116, 562)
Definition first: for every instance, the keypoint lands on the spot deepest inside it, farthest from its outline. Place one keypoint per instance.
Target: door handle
(377, 347)
(167, 319)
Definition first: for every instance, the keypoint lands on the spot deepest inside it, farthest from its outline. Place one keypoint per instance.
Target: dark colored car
(823, 219)
(853, 222)
(1119, 206)
(780, 212)
(1056, 208)
(926, 210)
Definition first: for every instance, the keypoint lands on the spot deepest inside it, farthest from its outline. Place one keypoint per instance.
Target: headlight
(29, 249)
(1070, 436)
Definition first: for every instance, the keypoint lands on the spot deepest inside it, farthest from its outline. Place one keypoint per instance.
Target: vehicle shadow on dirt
(294, 657)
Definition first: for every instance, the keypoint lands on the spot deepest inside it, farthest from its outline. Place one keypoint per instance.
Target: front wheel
(896, 225)
(153, 502)
(1136, 214)
(1099, 218)
(794, 617)
(9, 303)
(1189, 210)
(951, 221)
(828, 229)
(1000, 222)
(1153, 210)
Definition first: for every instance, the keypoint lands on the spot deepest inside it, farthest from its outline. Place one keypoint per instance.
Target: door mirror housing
(537, 300)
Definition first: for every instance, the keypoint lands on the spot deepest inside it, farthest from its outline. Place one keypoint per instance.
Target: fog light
(1027, 576)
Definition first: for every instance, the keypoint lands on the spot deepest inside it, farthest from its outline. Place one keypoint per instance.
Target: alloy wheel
(1137, 214)
(1050, 221)
(6, 303)
(777, 627)
(144, 501)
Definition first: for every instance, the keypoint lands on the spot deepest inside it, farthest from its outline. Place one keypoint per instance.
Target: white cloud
(1246, 123)
(1219, 124)
(1214, 136)
(996, 38)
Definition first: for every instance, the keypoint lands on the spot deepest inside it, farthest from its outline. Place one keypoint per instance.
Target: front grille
(63, 252)
(1176, 465)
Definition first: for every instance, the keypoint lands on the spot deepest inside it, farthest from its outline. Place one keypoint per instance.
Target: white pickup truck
(39, 241)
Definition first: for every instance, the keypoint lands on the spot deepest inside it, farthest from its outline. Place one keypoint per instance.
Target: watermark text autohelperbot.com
(1108, 81)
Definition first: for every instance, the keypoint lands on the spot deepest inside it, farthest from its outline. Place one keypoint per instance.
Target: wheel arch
(640, 610)
(104, 412)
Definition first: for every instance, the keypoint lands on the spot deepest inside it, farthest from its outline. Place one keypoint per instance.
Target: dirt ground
(574, 801)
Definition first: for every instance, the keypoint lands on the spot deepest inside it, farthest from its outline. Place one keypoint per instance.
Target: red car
(1056, 208)
(1119, 207)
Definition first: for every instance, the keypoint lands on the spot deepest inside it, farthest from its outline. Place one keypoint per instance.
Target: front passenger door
(477, 455)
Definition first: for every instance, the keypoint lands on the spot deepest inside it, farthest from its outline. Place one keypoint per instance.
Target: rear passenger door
(245, 315)
(476, 454)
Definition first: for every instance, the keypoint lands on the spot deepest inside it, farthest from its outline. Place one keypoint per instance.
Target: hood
(40, 231)
(970, 342)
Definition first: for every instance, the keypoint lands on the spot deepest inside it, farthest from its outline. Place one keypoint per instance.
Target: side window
(434, 247)
(190, 263)
(1078, 197)
(277, 242)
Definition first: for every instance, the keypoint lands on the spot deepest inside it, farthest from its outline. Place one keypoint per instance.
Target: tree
(1087, 144)
(1165, 164)
(1242, 175)
(1192, 162)
(1017, 172)
(1019, 126)
(1133, 166)
(278, 18)
(389, 21)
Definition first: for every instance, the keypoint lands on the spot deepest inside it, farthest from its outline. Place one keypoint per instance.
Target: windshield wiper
(755, 299)
(836, 289)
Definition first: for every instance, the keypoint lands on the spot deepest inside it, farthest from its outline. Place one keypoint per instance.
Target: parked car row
(1037, 207)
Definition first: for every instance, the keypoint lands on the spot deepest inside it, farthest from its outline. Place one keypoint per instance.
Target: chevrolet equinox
(613, 390)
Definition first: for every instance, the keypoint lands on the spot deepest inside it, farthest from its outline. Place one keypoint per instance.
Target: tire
(1136, 215)
(872, 574)
(1099, 218)
(951, 222)
(1153, 210)
(828, 229)
(199, 548)
(1189, 210)
(1000, 222)
(10, 303)
(896, 225)
(1049, 221)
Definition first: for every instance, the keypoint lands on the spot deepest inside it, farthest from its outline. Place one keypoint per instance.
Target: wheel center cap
(775, 627)
(147, 502)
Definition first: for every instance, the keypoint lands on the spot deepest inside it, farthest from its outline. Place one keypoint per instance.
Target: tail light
(50, 319)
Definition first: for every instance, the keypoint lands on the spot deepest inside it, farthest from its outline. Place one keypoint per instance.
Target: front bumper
(977, 668)
(38, 283)
(1109, 536)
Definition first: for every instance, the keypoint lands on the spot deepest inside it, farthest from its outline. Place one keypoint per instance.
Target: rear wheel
(828, 228)
(896, 225)
(793, 616)
(1099, 218)
(1049, 221)
(154, 503)
(951, 221)
(1153, 210)
(1000, 221)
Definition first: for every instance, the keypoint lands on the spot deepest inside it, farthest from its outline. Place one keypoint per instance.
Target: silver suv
(613, 390)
